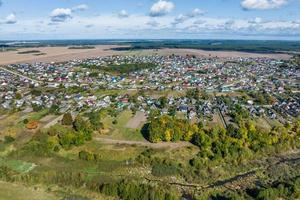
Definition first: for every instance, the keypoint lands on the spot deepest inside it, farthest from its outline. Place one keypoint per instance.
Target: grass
(106, 152)
(119, 130)
(13, 124)
(38, 115)
(19, 192)
(17, 165)
(263, 123)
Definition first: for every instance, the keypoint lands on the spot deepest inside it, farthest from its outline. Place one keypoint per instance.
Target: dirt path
(145, 143)
(137, 120)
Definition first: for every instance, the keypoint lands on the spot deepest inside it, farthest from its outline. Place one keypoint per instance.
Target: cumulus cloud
(123, 14)
(81, 7)
(10, 19)
(161, 8)
(61, 14)
(262, 4)
(182, 18)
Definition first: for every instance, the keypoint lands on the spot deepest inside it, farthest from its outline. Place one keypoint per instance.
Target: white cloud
(10, 19)
(61, 14)
(161, 8)
(152, 23)
(81, 7)
(182, 18)
(142, 26)
(256, 20)
(123, 14)
(196, 12)
(262, 4)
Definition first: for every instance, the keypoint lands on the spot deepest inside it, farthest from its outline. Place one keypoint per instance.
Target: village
(262, 88)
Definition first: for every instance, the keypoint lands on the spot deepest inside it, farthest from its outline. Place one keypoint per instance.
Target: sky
(149, 19)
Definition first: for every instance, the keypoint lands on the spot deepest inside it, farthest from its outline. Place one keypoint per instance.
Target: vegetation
(67, 119)
(166, 128)
(131, 190)
(81, 47)
(216, 45)
(123, 68)
(29, 52)
(219, 143)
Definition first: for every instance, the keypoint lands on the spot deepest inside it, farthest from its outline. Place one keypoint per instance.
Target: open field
(204, 53)
(54, 54)
(60, 54)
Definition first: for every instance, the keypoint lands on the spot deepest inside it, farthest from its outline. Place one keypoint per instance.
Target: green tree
(67, 119)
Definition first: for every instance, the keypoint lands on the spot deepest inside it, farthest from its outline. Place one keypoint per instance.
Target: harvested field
(60, 54)
(203, 53)
(54, 54)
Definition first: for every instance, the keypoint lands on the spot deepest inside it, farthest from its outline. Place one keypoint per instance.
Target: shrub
(8, 139)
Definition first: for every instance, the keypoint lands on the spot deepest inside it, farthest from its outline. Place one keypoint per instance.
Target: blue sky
(149, 19)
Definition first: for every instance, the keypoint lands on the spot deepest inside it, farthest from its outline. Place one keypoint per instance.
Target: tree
(67, 140)
(95, 120)
(67, 119)
(202, 140)
(18, 96)
(154, 113)
(172, 111)
(80, 124)
(54, 109)
(193, 94)
(162, 101)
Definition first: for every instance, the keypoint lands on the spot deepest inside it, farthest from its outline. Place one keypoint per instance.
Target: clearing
(137, 120)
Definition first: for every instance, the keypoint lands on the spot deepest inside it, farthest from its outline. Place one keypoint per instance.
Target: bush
(87, 156)
(8, 139)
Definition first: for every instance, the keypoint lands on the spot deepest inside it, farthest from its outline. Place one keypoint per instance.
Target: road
(20, 75)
